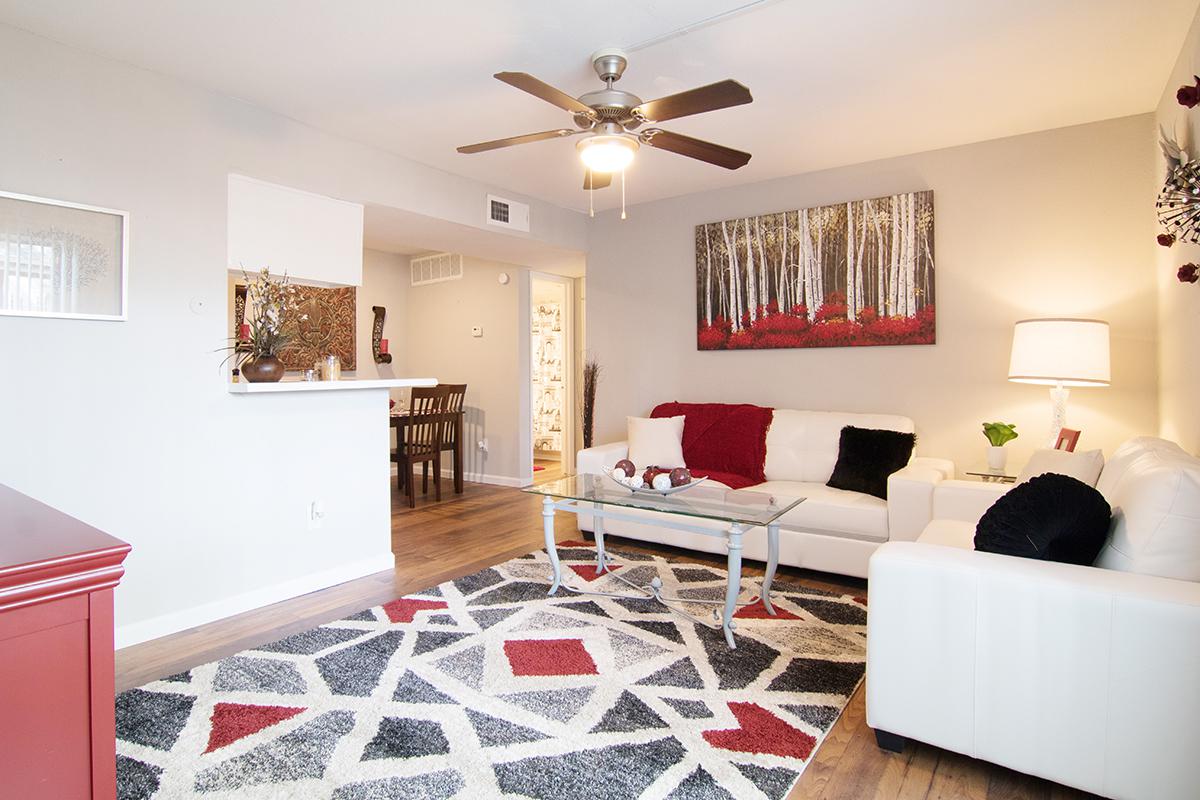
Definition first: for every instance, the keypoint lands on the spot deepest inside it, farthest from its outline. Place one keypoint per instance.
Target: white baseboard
(475, 477)
(153, 628)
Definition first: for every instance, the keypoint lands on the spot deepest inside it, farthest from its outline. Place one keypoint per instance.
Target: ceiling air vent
(436, 268)
(507, 213)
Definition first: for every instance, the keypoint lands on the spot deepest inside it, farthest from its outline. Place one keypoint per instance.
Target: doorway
(552, 373)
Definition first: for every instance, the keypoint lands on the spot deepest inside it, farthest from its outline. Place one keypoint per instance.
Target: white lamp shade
(1071, 352)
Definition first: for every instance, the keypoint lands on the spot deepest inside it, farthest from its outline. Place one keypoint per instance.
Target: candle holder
(377, 336)
(239, 320)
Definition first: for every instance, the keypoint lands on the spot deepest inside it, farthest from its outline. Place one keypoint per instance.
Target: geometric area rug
(487, 687)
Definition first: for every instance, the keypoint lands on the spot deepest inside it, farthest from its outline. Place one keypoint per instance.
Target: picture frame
(1067, 439)
(855, 274)
(64, 260)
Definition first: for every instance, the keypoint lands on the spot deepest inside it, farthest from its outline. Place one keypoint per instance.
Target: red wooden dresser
(57, 737)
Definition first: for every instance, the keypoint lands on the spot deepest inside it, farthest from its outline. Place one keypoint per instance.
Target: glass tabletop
(744, 506)
(1008, 475)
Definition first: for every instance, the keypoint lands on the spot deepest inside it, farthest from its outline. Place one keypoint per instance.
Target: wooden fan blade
(596, 180)
(699, 149)
(527, 83)
(722, 94)
(496, 144)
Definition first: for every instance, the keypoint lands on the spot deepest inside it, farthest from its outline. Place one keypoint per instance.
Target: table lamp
(1060, 353)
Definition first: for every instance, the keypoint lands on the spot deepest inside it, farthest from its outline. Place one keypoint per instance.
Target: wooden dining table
(399, 420)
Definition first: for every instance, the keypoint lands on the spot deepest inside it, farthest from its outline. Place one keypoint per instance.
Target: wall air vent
(437, 268)
(509, 214)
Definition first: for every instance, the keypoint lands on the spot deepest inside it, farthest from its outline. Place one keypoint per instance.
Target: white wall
(438, 341)
(1048, 224)
(128, 426)
(1178, 304)
(386, 283)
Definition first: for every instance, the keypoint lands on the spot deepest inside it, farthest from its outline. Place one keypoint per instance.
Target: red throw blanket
(723, 441)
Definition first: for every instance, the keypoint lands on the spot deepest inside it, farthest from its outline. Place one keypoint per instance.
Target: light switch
(477, 331)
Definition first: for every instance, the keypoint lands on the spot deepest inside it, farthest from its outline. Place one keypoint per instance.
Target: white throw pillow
(655, 442)
(1085, 466)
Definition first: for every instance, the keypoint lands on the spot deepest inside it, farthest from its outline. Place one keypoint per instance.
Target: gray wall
(438, 341)
(129, 426)
(1048, 224)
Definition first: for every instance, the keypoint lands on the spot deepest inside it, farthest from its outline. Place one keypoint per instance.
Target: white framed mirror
(60, 259)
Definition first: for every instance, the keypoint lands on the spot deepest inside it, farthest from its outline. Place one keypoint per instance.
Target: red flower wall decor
(1189, 95)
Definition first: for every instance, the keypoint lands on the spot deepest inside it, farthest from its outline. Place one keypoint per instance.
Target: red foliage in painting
(741, 340)
(800, 310)
(711, 337)
(779, 323)
(777, 330)
(834, 307)
(773, 307)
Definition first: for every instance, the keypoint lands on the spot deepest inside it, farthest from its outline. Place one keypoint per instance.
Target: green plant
(998, 433)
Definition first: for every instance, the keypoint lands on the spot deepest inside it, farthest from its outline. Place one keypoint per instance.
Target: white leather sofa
(1088, 676)
(833, 530)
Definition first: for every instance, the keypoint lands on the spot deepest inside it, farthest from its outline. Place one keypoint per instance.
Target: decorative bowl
(651, 490)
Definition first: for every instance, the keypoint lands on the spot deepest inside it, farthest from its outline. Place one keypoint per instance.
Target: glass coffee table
(603, 498)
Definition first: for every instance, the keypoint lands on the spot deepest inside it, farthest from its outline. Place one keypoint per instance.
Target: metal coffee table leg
(772, 565)
(551, 551)
(598, 532)
(733, 587)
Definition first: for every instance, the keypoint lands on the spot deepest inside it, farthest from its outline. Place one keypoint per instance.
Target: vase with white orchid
(271, 320)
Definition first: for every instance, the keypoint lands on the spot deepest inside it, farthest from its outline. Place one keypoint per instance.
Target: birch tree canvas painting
(846, 275)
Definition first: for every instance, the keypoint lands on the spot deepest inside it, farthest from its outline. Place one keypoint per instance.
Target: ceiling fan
(608, 117)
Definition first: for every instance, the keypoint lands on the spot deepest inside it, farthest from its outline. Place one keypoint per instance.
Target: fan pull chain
(591, 195)
(622, 194)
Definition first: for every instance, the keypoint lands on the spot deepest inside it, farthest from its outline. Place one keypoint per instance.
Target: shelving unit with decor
(548, 391)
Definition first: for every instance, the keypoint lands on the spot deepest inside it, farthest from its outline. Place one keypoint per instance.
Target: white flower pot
(997, 457)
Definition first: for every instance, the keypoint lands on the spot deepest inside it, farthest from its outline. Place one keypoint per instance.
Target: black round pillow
(1052, 517)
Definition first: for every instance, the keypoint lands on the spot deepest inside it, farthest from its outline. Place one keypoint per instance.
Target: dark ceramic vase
(264, 369)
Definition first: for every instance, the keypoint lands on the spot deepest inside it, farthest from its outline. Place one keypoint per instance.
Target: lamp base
(1058, 416)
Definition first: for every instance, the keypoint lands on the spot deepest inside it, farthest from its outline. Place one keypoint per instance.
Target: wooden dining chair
(420, 441)
(456, 394)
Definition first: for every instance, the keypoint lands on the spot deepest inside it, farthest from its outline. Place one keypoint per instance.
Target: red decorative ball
(626, 466)
(680, 476)
(648, 475)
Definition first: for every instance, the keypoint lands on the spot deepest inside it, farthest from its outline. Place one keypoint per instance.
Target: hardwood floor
(435, 542)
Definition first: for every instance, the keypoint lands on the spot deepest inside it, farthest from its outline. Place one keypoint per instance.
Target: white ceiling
(834, 82)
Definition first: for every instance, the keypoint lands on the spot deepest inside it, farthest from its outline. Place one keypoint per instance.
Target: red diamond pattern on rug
(757, 610)
(233, 721)
(406, 608)
(588, 571)
(549, 657)
(573, 543)
(761, 732)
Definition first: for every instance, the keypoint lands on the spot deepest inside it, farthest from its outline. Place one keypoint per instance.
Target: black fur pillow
(1052, 517)
(866, 457)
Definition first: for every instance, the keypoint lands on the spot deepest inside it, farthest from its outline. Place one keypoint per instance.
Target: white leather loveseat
(833, 530)
(1088, 676)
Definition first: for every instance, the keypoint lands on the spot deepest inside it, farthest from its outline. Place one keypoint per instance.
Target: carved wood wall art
(326, 326)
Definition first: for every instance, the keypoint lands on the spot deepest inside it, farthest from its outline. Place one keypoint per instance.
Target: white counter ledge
(293, 385)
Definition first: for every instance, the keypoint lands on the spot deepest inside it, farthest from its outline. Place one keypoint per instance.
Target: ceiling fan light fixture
(607, 153)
